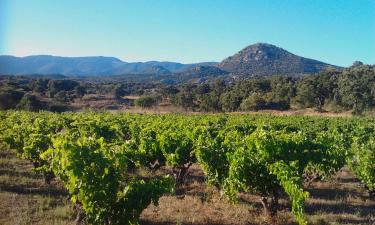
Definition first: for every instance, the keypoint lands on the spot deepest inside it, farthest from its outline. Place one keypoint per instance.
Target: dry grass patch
(25, 199)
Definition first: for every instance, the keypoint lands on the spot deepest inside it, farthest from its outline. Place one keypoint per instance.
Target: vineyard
(99, 157)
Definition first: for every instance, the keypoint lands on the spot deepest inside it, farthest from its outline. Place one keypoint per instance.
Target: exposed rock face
(264, 59)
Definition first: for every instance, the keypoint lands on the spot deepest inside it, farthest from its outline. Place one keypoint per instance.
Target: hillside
(265, 59)
(199, 74)
(87, 66)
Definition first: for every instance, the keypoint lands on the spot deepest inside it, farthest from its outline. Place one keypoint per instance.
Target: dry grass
(167, 108)
(126, 104)
(97, 102)
(341, 200)
(25, 199)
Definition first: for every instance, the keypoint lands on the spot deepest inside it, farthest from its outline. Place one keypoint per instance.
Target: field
(25, 198)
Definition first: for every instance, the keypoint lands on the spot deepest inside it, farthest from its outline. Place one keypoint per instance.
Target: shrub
(10, 98)
(30, 103)
(146, 101)
(253, 102)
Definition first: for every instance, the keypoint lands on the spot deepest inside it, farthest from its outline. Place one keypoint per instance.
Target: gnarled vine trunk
(270, 206)
(48, 177)
(80, 215)
(180, 173)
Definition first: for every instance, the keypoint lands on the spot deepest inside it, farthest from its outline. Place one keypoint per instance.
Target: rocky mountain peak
(265, 59)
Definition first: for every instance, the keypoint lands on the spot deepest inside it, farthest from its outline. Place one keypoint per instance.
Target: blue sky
(335, 31)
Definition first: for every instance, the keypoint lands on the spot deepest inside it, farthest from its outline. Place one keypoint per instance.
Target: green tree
(10, 98)
(185, 100)
(210, 102)
(62, 96)
(146, 101)
(30, 103)
(254, 102)
(355, 88)
(118, 92)
(230, 101)
(55, 86)
(80, 91)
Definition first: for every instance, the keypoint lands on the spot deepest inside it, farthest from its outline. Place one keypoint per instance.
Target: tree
(230, 101)
(185, 100)
(282, 91)
(169, 91)
(10, 98)
(30, 103)
(80, 91)
(218, 86)
(55, 86)
(202, 89)
(146, 101)
(210, 102)
(39, 85)
(118, 92)
(253, 102)
(313, 91)
(355, 88)
(62, 96)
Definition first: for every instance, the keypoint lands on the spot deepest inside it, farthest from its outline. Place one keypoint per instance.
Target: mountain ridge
(86, 65)
(260, 59)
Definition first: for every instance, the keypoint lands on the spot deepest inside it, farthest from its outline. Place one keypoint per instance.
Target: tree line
(333, 90)
(350, 89)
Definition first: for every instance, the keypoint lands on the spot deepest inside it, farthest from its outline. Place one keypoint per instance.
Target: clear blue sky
(335, 31)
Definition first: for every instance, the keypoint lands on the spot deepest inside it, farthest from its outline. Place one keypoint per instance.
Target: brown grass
(25, 199)
(126, 104)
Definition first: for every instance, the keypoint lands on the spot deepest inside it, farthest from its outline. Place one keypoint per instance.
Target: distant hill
(255, 60)
(203, 71)
(197, 74)
(86, 66)
(265, 59)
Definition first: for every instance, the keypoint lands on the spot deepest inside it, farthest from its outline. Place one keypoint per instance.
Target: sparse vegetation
(350, 89)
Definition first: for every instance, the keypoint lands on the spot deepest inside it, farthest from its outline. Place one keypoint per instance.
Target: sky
(338, 32)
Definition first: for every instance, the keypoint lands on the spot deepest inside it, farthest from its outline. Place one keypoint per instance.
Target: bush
(278, 105)
(62, 96)
(58, 108)
(55, 86)
(80, 91)
(30, 103)
(118, 92)
(10, 98)
(253, 102)
(146, 101)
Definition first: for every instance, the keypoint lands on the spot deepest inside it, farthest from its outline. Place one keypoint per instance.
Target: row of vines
(95, 156)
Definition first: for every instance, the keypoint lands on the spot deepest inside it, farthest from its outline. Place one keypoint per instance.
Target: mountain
(255, 60)
(198, 74)
(45, 64)
(86, 66)
(156, 70)
(203, 71)
(265, 59)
